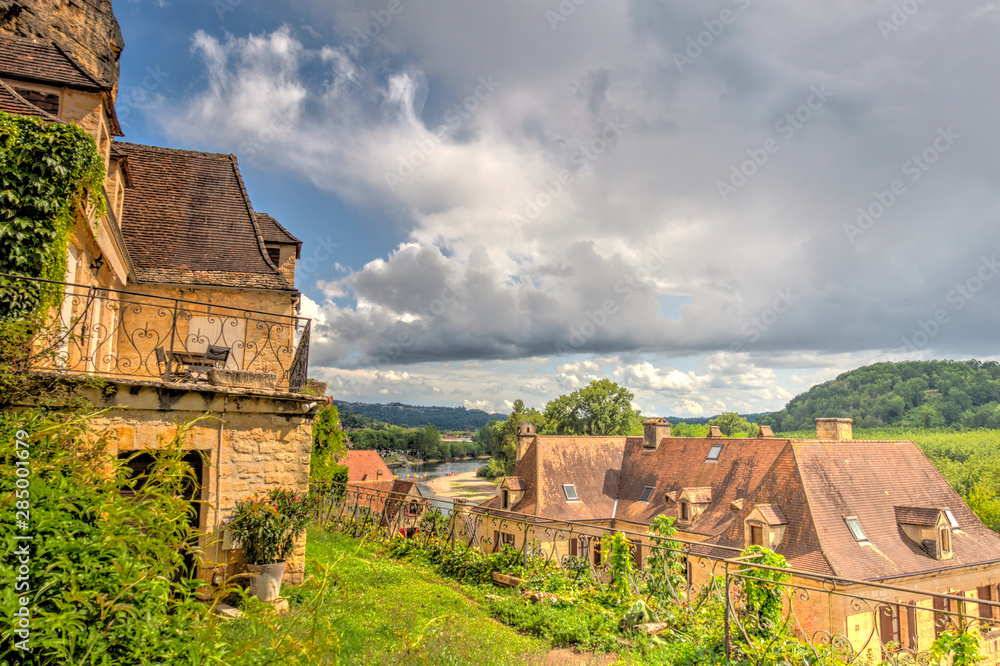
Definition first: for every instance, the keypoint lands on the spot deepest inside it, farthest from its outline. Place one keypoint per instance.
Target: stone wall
(251, 442)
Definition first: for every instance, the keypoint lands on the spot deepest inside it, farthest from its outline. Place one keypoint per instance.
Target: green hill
(912, 394)
(416, 416)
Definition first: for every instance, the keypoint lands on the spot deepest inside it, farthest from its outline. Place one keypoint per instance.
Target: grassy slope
(388, 612)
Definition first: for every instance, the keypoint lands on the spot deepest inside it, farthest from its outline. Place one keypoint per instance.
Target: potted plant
(266, 527)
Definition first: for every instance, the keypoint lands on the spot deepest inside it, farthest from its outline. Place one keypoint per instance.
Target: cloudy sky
(715, 204)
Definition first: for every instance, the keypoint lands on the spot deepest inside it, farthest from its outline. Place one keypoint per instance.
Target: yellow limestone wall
(255, 442)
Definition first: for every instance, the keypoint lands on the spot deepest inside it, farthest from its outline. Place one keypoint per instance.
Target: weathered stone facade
(251, 442)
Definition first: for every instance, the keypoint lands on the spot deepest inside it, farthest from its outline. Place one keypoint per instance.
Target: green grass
(390, 612)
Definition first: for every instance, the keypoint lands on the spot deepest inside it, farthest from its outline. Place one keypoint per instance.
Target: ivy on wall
(46, 170)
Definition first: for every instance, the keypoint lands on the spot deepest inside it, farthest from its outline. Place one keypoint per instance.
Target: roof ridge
(80, 67)
(164, 149)
(253, 216)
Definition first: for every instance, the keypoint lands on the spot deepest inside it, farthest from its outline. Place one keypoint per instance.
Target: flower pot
(265, 580)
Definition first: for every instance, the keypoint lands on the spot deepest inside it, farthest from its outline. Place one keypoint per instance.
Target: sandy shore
(463, 486)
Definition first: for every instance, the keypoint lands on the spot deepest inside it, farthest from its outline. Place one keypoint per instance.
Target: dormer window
(929, 528)
(647, 492)
(756, 535)
(713, 453)
(685, 511)
(945, 540)
(857, 531)
(570, 490)
(506, 499)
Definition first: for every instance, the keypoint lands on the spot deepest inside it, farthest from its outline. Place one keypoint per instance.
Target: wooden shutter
(597, 552)
(496, 540)
(572, 546)
(910, 640)
(940, 619)
(637, 555)
(887, 627)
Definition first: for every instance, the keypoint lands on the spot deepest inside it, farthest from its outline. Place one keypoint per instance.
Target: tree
(731, 424)
(600, 408)
(329, 445)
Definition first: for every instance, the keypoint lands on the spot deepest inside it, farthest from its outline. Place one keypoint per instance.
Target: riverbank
(465, 486)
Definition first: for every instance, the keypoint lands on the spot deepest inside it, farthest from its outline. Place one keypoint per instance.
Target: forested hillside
(415, 416)
(913, 394)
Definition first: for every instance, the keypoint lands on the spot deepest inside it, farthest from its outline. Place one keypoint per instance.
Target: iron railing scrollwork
(113, 333)
(853, 621)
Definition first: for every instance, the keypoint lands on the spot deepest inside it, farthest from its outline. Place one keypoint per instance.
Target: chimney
(714, 431)
(653, 430)
(836, 429)
(525, 433)
(765, 432)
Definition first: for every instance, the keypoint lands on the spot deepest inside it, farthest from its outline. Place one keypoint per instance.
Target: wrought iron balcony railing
(106, 332)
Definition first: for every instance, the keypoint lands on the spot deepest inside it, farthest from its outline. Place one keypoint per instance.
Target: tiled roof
(365, 466)
(187, 220)
(273, 232)
(515, 483)
(679, 463)
(33, 60)
(869, 479)
(591, 464)
(11, 102)
(698, 495)
(913, 515)
(772, 514)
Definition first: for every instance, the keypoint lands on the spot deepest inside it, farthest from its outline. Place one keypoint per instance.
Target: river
(424, 472)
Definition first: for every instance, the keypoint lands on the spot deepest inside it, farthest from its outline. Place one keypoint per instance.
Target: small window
(685, 513)
(570, 491)
(412, 508)
(274, 254)
(951, 519)
(857, 532)
(756, 535)
(506, 499)
(647, 492)
(713, 453)
(597, 552)
(583, 547)
(945, 541)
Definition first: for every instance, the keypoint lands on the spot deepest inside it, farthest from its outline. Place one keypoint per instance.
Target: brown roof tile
(273, 232)
(913, 515)
(679, 463)
(187, 220)
(772, 514)
(33, 60)
(698, 495)
(365, 466)
(515, 483)
(869, 479)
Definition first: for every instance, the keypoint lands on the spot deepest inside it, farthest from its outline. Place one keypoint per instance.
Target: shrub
(267, 527)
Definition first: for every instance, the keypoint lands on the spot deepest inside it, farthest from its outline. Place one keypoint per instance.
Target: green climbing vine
(46, 169)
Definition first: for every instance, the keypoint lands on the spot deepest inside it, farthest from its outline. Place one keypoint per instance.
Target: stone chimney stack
(525, 435)
(653, 430)
(87, 29)
(839, 430)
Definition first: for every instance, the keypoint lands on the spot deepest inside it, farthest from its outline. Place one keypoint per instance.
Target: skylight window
(713, 453)
(570, 491)
(857, 531)
(951, 519)
(647, 492)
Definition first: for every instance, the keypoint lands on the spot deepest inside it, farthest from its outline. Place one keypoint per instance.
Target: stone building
(859, 512)
(181, 298)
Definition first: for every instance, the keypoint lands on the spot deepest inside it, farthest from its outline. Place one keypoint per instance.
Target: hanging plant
(46, 170)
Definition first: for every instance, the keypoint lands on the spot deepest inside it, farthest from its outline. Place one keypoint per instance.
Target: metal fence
(97, 331)
(837, 619)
